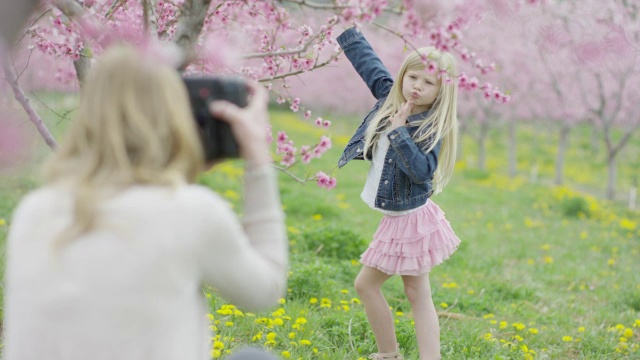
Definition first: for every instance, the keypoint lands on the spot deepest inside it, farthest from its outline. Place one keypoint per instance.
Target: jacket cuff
(398, 134)
(348, 37)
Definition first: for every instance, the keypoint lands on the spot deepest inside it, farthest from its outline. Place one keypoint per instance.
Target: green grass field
(542, 273)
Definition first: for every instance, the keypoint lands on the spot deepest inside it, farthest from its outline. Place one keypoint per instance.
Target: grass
(542, 273)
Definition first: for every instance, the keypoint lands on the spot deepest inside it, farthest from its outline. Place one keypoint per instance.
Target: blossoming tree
(269, 41)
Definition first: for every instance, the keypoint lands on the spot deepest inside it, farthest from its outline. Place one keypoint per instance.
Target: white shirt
(374, 175)
(131, 289)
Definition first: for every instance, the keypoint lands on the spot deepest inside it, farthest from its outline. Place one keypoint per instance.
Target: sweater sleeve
(366, 62)
(248, 263)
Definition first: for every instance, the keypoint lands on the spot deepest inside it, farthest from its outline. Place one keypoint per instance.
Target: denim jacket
(407, 174)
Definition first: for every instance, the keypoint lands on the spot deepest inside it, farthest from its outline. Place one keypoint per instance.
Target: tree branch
(28, 108)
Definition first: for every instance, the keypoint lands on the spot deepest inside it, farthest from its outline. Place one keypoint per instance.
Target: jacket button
(383, 204)
(390, 161)
(392, 137)
(359, 150)
(386, 182)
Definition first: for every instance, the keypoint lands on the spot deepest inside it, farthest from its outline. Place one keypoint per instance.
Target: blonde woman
(410, 139)
(107, 260)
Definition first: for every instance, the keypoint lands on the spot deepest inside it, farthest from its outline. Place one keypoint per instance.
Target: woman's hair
(134, 126)
(442, 122)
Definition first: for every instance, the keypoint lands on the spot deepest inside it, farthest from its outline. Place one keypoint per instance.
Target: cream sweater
(132, 288)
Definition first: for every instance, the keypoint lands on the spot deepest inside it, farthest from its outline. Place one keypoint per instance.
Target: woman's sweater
(132, 288)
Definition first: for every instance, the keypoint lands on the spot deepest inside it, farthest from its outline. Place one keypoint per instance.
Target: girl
(410, 138)
(107, 260)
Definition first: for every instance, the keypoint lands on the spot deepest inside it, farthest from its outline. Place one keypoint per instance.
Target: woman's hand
(248, 124)
(400, 118)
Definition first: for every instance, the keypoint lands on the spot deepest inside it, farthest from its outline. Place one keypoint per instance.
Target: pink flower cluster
(325, 181)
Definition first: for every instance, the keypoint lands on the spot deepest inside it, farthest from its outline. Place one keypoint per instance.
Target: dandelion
(503, 324)
(285, 354)
(487, 336)
(301, 321)
(313, 301)
(2, 222)
(278, 321)
(228, 324)
(218, 345)
(216, 354)
(305, 342)
(292, 335)
(282, 301)
(533, 330)
(628, 333)
(487, 316)
(444, 305)
(567, 338)
(581, 329)
(518, 326)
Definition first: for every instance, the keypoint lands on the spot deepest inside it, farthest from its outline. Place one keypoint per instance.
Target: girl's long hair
(442, 122)
(134, 126)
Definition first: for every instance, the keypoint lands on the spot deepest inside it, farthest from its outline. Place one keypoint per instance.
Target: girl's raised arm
(366, 62)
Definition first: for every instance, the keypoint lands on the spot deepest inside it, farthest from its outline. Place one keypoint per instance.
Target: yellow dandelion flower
(611, 262)
(210, 317)
(487, 336)
(355, 301)
(292, 335)
(355, 262)
(444, 305)
(218, 345)
(471, 292)
(278, 321)
(518, 338)
(257, 336)
(628, 333)
(270, 343)
(344, 291)
(518, 326)
(533, 331)
(399, 313)
(488, 316)
(293, 230)
(282, 301)
(271, 336)
(285, 354)
(313, 301)
(317, 217)
(581, 329)
(637, 323)
(215, 354)
(301, 321)
(305, 342)
(493, 321)
(2, 222)
(567, 338)
(548, 259)
(228, 324)
(503, 324)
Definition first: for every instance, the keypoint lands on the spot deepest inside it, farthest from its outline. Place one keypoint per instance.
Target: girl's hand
(400, 118)
(248, 124)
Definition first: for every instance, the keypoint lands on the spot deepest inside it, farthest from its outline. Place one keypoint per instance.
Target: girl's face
(422, 87)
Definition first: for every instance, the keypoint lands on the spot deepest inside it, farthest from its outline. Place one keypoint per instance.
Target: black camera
(217, 139)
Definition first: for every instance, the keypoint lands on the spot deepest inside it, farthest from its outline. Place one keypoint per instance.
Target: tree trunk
(595, 139)
(459, 150)
(482, 146)
(563, 143)
(611, 181)
(82, 66)
(512, 149)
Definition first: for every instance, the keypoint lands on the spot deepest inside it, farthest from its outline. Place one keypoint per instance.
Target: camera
(217, 138)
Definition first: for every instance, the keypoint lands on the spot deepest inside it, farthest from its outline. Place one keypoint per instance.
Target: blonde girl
(108, 258)
(410, 139)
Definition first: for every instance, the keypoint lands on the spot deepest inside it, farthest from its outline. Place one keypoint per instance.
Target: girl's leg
(418, 292)
(368, 284)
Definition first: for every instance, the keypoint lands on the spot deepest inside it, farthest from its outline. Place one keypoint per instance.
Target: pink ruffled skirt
(411, 244)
